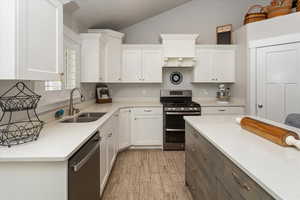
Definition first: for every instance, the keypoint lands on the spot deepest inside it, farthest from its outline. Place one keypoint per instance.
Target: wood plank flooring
(148, 175)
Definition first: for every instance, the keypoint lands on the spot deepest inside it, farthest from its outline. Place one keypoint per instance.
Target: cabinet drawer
(147, 111)
(222, 110)
(239, 184)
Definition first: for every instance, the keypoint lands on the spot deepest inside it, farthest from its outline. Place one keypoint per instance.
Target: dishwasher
(84, 171)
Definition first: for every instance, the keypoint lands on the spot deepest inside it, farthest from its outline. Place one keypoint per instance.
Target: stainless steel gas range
(176, 105)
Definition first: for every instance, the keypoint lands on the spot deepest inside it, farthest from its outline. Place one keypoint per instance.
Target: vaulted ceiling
(118, 14)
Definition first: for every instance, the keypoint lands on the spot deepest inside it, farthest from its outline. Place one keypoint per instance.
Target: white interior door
(132, 65)
(278, 87)
(152, 66)
(42, 40)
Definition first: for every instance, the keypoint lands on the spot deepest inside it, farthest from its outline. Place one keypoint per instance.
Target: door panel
(147, 130)
(132, 65)
(203, 71)
(224, 65)
(124, 128)
(152, 66)
(42, 32)
(113, 60)
(278, 83)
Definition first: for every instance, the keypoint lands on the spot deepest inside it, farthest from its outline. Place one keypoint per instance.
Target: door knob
(260, 106)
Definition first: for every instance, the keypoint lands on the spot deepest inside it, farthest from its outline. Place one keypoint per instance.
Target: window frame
(70, 38)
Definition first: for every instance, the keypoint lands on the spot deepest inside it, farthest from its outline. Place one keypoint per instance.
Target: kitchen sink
(84, 118)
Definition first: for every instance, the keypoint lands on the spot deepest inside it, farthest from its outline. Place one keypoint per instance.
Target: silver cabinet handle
(81, 163)
(147, 110)
(222, 110)
(183, 113)
(175, 130)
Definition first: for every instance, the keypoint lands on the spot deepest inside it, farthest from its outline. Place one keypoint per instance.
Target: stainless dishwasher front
(84, 171)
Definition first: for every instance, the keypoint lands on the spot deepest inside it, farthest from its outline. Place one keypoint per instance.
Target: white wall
(198, 16)
(72, 23)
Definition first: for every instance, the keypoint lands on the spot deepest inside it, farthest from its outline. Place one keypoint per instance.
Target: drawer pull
(222, 110)
(238, 181)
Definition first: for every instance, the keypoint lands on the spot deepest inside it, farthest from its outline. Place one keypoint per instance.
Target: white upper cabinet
(132, 65)
(90, 57)
(216, 64)
(101, 55)
(31, 46)
(142, 63)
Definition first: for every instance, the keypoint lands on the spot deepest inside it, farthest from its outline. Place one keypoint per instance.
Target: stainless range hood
(179, 50)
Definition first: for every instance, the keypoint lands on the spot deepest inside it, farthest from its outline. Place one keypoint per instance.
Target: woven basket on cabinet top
(298, 6)
(255, 16)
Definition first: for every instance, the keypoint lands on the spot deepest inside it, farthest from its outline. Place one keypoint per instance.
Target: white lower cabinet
(103, 162)
(124, 128)
(223, 110)
(107, 150)
(147, 127)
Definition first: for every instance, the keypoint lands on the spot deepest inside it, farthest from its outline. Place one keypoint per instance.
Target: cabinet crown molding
(109, 32)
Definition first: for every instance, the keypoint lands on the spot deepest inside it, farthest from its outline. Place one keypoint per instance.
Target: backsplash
(50, 100)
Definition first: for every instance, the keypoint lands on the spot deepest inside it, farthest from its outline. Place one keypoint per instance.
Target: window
(70, 78)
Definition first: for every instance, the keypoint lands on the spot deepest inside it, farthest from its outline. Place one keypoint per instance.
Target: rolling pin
(278, 135)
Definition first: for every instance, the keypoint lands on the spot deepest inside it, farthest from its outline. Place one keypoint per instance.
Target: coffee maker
(223, 94)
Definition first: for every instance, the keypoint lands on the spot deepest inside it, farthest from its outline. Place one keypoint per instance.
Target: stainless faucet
(73, 110)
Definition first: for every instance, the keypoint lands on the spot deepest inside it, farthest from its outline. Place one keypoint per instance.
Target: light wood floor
(148, 175)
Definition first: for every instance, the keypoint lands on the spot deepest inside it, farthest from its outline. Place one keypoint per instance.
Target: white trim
(72, 35)
(109, 32)
(285, 39)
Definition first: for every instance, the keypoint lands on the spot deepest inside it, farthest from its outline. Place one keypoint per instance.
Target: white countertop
(58, 141)
(273, 167)
(212, 102)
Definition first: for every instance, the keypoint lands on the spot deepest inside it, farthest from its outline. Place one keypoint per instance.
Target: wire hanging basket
(19, 98)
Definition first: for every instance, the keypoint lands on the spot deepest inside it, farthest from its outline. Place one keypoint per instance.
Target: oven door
(174, 128)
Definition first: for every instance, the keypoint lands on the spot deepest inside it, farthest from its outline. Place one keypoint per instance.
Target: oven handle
(183, 113)
(175, 130)
(81, 163)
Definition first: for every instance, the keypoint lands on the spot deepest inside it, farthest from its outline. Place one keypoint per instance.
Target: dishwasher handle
(76, 167)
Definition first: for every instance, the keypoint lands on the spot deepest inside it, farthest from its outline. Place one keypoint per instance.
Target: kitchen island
(226, 162)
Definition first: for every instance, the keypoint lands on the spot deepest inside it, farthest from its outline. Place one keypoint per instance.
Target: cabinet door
(132, 65)
(224, 65)
(113, 59)
(91, 70)
(147, 130)
(103, 162)
(116, 132)
(124, 128)
(278, 81)
(203, 71)
(110, 150)
(152, 66)
(41, 40)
